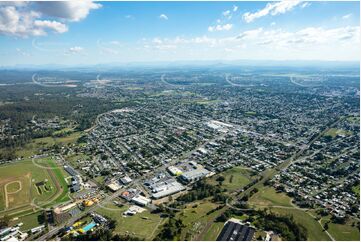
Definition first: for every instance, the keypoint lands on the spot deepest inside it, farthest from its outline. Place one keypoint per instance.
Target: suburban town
(182, 121)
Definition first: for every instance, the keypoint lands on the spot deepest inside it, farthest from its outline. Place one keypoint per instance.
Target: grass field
(344, 232)
(213, 231)
(22, 182)
(235, 178)
(314, 229)
(143, 225)
(333, 132)
(356, 190)
(268, 196)
(353, 119)
(35, 145)
(195, 218)
(30, 221)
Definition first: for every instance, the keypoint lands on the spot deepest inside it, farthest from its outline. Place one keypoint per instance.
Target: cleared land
(268, 196)
(195, 217)
(22, 183)
(333, 132)
(280, 203)
(142, 225)
(234, 178)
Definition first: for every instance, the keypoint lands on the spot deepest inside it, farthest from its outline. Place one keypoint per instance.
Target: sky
(86, 32)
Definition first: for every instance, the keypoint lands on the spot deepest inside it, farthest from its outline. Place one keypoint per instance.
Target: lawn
(356, 190)
(35, 145)
(268, 196)
(344, 232)
(353, 119)
(57, 174)
(235, 178)
(142, 225)
(30, 176)
(333, 132)
(30, 221)
(213, 231)
(314, 229)
(195, 218)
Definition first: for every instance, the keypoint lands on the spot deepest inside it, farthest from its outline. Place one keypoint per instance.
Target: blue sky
(118, 32)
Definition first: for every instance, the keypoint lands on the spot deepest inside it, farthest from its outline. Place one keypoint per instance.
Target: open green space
(13, 187)
(195, 217)
(280, 203)
(234, 178)
(314, 229)
(142, 225)
(353, 119)
(333, 132)
(37, 184)
(250, 113)
(356, 190)
(268, 196)
(29, 221)
(213, 231)
(35, 145)
(344, 231)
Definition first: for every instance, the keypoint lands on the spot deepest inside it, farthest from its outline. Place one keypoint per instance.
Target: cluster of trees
(283, 225)
(104, 234)
(171, 230)
(262, 219)
(201, 190)
(62, 102)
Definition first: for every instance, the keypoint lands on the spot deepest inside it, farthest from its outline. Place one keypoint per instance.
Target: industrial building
(141, 200)
(175, 171)
(194, 175)
(167, 189)
(234, 230)
(125, 180)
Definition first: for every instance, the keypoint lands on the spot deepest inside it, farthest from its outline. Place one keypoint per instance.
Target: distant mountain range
(194, 64)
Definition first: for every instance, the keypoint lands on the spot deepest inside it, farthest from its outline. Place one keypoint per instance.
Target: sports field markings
(44, 167)
(7, 193)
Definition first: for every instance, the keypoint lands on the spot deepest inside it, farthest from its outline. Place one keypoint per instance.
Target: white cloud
(347, 16)
(273, 23)
(75, 49)
(273, 9)
(226, 13)
(305, 4)
(306, 43)
(21, 52)
(52, 25)
(68, 10)
(307, 36)
(220, 27)
(163, 16)
(25, 19)
(235, 8)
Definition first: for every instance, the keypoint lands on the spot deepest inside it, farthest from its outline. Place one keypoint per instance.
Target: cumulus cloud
(220, 27)
(313, 37)
(272, 9)
(52, 25)
(68, 10)
(163, 16)
(25, 19)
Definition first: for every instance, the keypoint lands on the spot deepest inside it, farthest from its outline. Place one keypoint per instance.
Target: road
(268, 174)
(265, 176)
